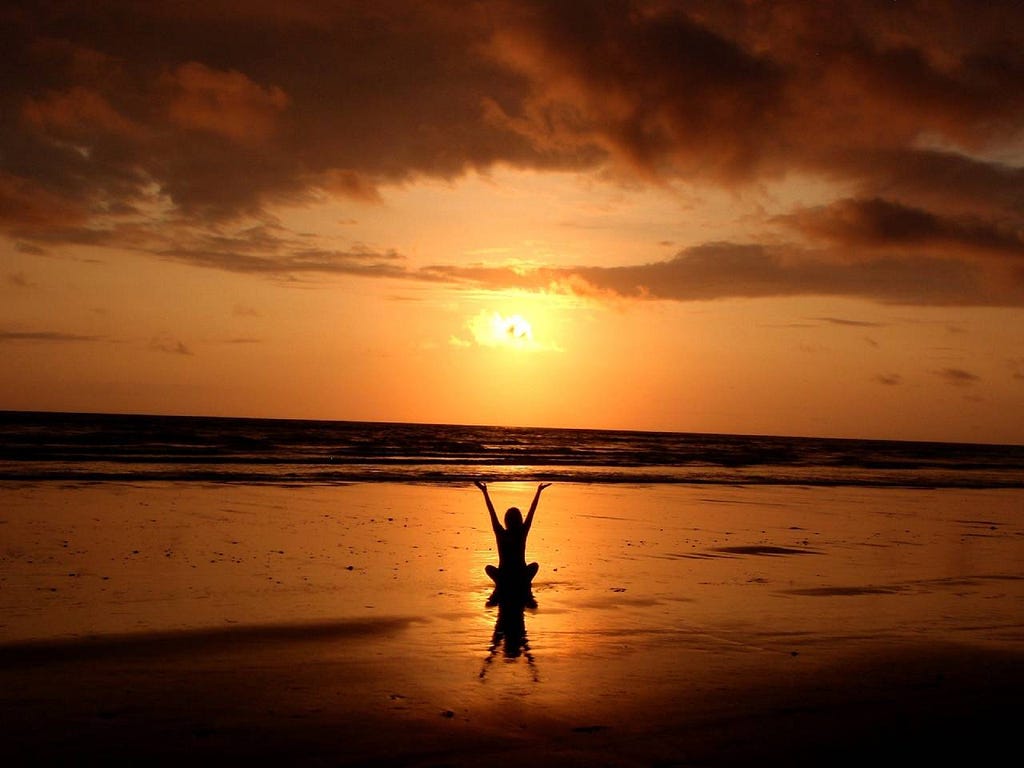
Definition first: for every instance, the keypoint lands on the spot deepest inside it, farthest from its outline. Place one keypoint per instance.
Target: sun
(495, 330)
(513, 330)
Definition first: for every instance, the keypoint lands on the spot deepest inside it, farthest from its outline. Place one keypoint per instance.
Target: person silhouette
(512, 576)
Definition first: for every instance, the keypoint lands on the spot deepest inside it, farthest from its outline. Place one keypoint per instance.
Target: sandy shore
(675, 626)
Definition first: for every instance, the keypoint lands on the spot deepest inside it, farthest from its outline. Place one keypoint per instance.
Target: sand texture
(159, 624)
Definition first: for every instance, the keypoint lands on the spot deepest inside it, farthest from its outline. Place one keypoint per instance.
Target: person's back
(512, 575)
(511, 541)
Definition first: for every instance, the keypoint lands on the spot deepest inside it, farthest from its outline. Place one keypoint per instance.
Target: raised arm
(533, 507)
(490, 507)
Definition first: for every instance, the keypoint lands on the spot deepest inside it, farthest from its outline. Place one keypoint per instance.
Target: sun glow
(513, 330)
(493, 329)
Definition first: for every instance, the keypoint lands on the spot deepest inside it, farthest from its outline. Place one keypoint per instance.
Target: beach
(347, 625)
(288, 289)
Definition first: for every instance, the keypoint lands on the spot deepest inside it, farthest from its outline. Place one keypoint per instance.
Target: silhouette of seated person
(512, 577)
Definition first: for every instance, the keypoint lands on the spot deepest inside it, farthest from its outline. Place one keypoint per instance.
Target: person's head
(513, 519)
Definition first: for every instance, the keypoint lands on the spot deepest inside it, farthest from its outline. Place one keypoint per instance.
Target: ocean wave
(114, 448)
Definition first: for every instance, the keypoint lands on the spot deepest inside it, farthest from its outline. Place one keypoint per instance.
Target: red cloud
(78, 112)
(224, 103)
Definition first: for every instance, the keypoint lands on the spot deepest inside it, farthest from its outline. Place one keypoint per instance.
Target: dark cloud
(45, 336)
(877, 223)
(718, 270)
(944, 181)
(958, 377)
(647, 84)
(889, 379)
(169, 345)
(736, 91)
(212, 111)
(33, 250)
(225, 109)
(266, 249)
(365, 263)
(849, 322)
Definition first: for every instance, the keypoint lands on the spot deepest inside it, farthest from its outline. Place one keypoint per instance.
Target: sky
(792, 218)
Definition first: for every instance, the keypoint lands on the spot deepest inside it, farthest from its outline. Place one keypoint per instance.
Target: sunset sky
(795, 218)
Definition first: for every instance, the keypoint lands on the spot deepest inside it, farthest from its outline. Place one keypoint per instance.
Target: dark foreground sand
(331, 699)
(740, 627)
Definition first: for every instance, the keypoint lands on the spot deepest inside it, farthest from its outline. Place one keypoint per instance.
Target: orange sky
(788, 218)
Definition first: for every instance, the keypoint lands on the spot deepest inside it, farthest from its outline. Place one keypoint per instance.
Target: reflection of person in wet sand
(512, 576)
(510, 639)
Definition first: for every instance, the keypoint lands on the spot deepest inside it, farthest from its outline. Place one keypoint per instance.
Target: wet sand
(347, 625)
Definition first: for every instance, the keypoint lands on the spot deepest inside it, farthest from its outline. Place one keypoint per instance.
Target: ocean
(80, 447)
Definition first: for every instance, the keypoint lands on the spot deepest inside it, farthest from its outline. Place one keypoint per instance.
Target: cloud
(958, 377)
(191, 104)
(19, 280)
(45, 336)
(215, 112)
(849, 322)
(734, 270)
(738, 92)
(879, 224)
(77, 114)
(651, 87)
(165, 343)
(889, 379)
(947, 181)
(359, 261)
(372, 94)
(263, 248)
(227, 104)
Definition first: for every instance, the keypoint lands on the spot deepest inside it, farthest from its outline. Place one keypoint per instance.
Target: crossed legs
(497, 575)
